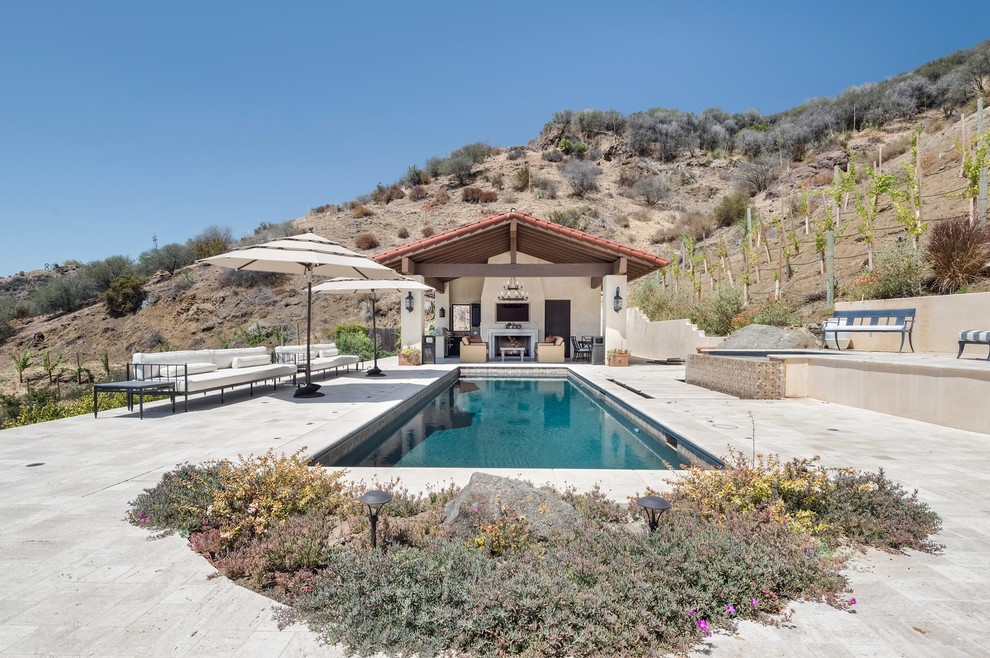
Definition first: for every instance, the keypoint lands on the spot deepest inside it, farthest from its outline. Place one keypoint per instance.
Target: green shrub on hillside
(124, 296)
(731, 209)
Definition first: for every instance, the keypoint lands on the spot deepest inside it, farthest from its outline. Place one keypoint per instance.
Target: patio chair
(580, 351)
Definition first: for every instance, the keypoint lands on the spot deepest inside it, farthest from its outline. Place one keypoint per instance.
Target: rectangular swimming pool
(523, 422)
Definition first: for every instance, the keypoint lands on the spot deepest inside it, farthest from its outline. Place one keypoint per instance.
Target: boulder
(488, 496)
(765, 337)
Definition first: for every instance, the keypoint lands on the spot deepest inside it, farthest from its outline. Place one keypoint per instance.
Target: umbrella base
(374, 372)
(307, 391)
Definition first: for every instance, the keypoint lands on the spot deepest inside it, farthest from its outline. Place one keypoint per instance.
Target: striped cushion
(975, 335)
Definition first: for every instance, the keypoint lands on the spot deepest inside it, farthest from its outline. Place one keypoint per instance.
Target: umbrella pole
(375, 370)
(309, 389)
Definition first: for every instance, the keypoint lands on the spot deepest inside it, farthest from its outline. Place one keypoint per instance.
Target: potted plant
(410, 356)
(618, 357)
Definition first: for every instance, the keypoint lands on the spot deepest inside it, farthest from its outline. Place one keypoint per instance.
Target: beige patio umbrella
(307, 254)
(351, 286)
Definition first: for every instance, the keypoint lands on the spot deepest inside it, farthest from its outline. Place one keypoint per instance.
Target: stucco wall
(667, 339)
(937, 324)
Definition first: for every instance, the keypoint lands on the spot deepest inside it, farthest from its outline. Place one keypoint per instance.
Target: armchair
(476, 352)
(550, 352)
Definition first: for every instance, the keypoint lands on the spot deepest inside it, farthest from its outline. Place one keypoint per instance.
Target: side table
(133, 386)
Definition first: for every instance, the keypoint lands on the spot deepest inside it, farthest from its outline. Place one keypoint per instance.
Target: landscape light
(409, 302)
(655, 506)
(617, 300)
(374, 500)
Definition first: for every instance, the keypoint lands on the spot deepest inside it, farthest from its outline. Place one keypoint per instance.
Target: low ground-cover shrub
(17, 411)
(738, 543)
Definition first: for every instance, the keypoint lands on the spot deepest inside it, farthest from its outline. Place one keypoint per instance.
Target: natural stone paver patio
(75, 579)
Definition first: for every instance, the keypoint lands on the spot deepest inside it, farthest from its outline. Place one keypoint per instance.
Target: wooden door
(557, 314)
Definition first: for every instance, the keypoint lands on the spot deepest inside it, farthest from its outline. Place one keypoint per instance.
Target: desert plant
(386, 195)
(415, 177)
(958, 252)
(403, 233)
(545, 187)
(498, 181)
(731, 209)
(244, 279)
(460, 167)
(756, 176)
(360, 211)
(582, 176)
(261, 491)
(522, 179)
(417, 193)
(898, 273)
(180, 501)
(365, 241)
(124, 296)
(62, 294)
(772, 312)
(427, 230)
(211, 241)
(102, 273)
(653, 189)
(552, 155)
(476, 195)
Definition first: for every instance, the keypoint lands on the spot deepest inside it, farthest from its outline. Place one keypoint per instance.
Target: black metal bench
(973, 337)
(886, 320)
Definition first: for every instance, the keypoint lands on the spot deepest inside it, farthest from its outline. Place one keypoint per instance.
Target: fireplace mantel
(530, 334)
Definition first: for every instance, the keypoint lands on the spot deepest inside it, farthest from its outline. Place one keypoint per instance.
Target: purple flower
(474, 509)
(703, 626)
(755, 603)
(852, 601)
(694, 613)
(731, 609)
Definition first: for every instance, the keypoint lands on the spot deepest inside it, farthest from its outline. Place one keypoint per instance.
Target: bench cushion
(975, 335)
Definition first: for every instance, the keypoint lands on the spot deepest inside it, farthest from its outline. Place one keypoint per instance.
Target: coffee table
(511, 352)
(132, 386)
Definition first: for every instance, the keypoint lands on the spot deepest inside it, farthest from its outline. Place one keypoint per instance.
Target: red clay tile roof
(478, 241)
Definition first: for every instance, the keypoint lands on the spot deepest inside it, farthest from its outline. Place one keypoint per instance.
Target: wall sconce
(443, 312)
(409, 302)
(374, 500)
(655, 506)
(617, 300)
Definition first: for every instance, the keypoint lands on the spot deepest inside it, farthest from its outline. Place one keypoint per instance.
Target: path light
(374, 500)
(409, 302)
(617, 300)
(655, 506)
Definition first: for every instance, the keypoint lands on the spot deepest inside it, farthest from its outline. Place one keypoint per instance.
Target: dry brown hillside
(194, 309)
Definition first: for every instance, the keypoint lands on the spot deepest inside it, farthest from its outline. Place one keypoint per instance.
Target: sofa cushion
(249, 361)
(558, 340)
(224, 358)
(465, 341)
(330, 352)
(196, 368)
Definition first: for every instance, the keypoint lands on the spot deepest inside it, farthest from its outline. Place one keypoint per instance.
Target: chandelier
(512, 291)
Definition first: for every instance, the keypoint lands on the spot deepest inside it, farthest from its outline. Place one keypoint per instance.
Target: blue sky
(124, 120)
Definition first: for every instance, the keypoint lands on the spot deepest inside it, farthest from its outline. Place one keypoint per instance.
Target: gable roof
(439, 256)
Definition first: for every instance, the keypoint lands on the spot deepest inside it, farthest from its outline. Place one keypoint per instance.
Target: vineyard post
(830, 267)
(981, 209)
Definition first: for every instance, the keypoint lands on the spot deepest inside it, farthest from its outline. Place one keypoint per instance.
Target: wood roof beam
(455, 270)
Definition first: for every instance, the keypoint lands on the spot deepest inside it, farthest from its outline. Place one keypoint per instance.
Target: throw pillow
(475, 339)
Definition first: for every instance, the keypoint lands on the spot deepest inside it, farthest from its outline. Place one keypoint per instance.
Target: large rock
(487, 496)
(765, 337)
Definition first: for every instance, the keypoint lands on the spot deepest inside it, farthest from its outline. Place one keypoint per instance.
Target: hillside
(648, 201)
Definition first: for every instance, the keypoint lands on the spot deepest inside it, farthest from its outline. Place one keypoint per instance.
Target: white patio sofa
(326, 356)
(199, 371)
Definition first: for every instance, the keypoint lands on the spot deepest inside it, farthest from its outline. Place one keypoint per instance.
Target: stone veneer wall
(750, 379)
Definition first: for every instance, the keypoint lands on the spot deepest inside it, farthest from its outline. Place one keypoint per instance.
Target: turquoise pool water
(512, 423)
